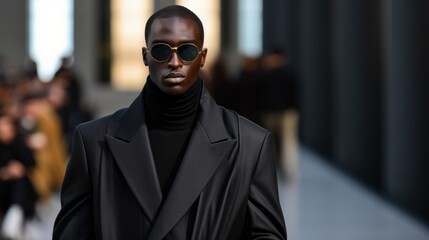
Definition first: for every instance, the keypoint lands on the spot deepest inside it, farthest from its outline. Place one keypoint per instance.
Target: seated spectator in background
(65, 94)
(62, 104)
(17, 195)
(30, 77)
(69, 80)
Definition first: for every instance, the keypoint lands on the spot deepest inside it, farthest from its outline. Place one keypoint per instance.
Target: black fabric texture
(170, 119)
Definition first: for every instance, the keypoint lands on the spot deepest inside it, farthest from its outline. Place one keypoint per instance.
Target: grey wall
(358, 94)
(229, 36)
(13, 31)
(407, 117)
(281, 19)
(315, 75)
(85, 41)
(162, 3)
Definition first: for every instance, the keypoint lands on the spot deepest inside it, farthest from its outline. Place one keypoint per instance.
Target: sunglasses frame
(172, 49)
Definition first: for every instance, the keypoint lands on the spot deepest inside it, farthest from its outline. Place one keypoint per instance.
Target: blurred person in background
(65, 94)
(32, 105)
(174, 165)
(278, 90)
(47, 143)
(17, 195)
(220, 85)
(30, 77)
(247, 89)
(240, 93)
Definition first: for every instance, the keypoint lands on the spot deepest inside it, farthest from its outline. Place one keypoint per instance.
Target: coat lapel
(208, 147)
(131, 150)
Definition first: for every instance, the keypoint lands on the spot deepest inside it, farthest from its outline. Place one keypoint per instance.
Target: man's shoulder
(98, 127)
(241, 124)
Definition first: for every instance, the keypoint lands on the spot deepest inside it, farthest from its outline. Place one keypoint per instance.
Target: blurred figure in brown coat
(47, 143)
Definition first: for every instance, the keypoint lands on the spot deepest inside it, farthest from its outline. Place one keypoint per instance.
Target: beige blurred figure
(287, 124)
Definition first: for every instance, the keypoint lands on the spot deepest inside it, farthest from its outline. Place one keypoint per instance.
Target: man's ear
(144, 55)
(203, 57)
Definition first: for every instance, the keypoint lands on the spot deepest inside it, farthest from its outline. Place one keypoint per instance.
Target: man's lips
(174, 75)
(174, 78)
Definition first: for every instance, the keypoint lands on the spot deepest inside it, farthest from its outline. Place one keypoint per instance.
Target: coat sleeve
(264, 213)
(75, 219)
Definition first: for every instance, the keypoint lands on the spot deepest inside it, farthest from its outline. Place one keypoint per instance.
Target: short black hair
(174, 11)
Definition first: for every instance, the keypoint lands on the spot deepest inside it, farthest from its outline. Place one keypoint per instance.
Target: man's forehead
(176, 21)
(178, 27)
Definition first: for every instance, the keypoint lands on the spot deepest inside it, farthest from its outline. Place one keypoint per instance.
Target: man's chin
(174, 89)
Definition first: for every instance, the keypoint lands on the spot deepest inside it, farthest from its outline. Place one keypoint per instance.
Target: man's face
(174, 76)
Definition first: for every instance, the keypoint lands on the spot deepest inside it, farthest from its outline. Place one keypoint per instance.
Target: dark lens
(161, 52)
(187, 52)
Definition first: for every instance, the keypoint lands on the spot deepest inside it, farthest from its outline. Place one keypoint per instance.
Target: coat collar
(130, 145)
(207, 148)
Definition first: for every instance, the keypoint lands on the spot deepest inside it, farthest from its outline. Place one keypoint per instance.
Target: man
(174, 165)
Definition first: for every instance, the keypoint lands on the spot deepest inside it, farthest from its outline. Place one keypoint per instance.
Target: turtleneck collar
(171, 112)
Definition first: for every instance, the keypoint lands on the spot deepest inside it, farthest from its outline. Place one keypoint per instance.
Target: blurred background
(343, 86)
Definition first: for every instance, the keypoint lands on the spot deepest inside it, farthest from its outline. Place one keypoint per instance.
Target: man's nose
(175, 61)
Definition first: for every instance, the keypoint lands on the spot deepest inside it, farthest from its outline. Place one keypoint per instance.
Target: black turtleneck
(170, 119)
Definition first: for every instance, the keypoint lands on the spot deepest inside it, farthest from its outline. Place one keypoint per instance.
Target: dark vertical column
(14, 31)
(280, 27)
(407, 138)
(316, 75)
(275, 22)
(104, 41)
(358, 95)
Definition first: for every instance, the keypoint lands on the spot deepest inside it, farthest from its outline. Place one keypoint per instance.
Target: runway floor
(325, 204)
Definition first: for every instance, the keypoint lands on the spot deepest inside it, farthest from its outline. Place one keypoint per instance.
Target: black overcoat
(225, 187)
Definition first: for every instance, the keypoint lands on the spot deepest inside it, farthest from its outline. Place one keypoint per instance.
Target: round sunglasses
(187, 52)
